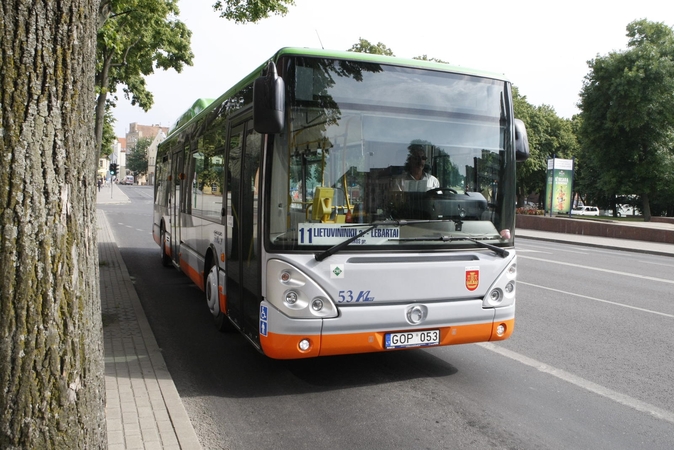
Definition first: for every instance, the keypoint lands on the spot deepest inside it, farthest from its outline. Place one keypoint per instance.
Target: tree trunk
(52, 390)
(99, 121)
(646, 207)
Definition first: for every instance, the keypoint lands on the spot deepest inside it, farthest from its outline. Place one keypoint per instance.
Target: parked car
(585, 211)
(128, 179)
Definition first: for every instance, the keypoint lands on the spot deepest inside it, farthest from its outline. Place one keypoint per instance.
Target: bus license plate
(412, 339)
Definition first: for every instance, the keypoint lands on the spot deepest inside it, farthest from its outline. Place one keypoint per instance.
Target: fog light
(317, 304)
(291, 297)
(500, 330)
(510, 287)
(304, 345)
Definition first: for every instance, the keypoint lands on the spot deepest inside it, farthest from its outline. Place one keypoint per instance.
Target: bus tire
(165, 258)
(222, 322)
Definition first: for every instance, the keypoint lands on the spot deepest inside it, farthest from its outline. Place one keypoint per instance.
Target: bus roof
(201, 106)
(388, 60)
(193, 111)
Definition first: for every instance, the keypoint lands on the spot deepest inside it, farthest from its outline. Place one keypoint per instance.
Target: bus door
(174, 204)
(243, 265)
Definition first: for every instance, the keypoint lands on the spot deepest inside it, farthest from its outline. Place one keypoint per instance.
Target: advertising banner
(558, 189)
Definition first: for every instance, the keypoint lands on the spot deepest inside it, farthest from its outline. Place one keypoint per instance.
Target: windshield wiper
(498, 250)
(401, 223)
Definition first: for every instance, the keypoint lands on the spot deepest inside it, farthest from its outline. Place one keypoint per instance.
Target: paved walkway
(144, 410)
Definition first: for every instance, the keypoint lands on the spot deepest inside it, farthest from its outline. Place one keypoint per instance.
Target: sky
(542, 47)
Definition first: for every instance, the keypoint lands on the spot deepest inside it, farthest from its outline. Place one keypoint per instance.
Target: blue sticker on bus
(263, 320)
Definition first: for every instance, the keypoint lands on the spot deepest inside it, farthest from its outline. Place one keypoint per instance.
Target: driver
(416, 178)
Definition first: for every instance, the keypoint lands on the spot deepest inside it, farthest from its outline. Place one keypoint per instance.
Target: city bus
(338, 202)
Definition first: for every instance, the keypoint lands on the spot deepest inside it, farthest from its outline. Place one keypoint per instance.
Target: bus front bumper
(363, 329)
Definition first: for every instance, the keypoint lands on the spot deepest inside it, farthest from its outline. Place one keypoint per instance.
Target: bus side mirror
(269, 102)
(521, 141)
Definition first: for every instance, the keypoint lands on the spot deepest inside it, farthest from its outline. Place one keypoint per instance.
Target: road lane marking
(597, 269)
(558, 250)
(582, 383)
(654, 263)
(598, 299)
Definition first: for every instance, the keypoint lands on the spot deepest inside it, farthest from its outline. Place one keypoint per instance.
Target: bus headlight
(510, 287)
(502, 291)
(495, 297)
(291, 298)
(317, 304)
(295, 294)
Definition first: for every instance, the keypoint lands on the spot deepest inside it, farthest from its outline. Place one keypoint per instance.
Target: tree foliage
(426, 58)
(549, 135)
(136, 159)
(136, 37)
(627, 126)
(109, 137)
(365, 46)
(243, 11)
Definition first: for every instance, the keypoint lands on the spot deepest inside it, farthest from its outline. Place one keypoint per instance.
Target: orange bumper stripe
(283, 346)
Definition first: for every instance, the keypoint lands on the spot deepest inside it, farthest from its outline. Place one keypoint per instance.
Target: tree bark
(99, 117)
(646, 207)
(52, 391)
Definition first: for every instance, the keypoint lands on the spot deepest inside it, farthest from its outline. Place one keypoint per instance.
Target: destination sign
(334, 233)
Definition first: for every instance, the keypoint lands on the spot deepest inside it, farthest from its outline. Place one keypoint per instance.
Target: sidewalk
(144, 409)
(104, 195)
(655, 248)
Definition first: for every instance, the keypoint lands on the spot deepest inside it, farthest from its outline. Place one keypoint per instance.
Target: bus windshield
(368, 143)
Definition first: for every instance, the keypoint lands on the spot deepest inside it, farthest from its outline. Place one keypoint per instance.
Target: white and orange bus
(339, 202)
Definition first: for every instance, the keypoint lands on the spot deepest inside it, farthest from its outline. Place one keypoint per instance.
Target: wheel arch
(210, 259)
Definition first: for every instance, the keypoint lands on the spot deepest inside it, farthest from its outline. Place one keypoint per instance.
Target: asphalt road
(589, 365)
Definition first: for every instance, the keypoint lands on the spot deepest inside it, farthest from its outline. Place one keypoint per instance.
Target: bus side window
(207, 178)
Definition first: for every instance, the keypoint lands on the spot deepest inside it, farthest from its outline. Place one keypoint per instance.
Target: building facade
(155, 132)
